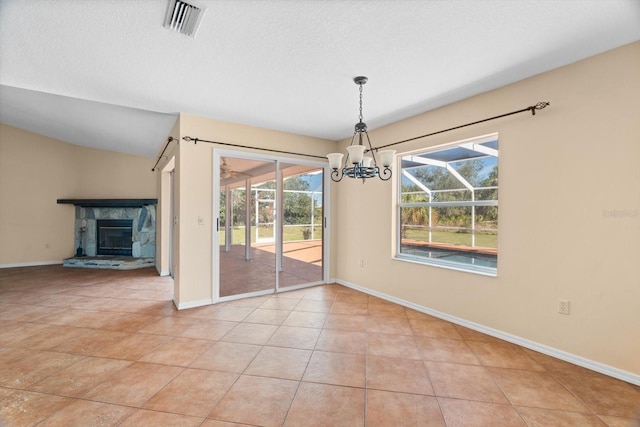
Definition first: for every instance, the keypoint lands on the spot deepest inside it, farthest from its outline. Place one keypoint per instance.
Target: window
(448, 206)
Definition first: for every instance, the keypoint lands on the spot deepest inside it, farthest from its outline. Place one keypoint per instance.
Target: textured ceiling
(106, 73)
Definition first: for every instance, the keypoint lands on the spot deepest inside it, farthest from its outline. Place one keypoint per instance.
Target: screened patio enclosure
(271, 225)
(448, 205)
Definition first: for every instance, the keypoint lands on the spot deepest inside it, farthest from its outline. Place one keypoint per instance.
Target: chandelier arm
(385, 173)
(338, 174)
(371, 149)
(353, 137)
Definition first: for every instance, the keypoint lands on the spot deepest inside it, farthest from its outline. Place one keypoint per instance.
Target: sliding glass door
(270, 216)
(302, 226)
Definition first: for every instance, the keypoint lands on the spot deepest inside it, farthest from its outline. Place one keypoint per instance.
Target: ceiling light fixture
(357, 165)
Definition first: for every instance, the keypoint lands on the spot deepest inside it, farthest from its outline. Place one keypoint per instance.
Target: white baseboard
(30, 264)
(544, 349)
(191, 304)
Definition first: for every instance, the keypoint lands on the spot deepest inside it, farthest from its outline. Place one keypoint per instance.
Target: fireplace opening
(114, 237)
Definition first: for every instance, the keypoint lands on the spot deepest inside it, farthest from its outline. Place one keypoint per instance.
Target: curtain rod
(532, 108)
(196, 140)
(153, 169)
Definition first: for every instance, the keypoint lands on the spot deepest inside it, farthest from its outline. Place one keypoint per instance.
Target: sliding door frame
(215, 253)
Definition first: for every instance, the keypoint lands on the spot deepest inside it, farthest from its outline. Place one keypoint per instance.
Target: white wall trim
(191, 304)
(30, 264)
(544, 349)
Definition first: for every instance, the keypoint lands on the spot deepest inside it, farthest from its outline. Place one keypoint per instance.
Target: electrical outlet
(563, 306)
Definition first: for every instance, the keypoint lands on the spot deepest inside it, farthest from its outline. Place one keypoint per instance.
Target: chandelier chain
(360, 116)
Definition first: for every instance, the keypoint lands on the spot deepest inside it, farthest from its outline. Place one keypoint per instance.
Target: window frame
(399, 205)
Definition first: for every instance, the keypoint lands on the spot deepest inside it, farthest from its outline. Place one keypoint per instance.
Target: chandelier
(357, 164)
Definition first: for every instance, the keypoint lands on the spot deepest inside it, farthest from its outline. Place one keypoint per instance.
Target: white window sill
(483, 271)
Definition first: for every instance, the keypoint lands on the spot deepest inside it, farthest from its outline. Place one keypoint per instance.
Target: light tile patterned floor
(98, 347)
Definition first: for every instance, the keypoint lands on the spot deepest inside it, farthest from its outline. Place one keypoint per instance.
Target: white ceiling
(107, 74)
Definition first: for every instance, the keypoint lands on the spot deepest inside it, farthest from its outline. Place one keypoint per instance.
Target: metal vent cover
(184, 17)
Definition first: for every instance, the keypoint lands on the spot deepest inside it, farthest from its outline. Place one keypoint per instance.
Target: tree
(447, 187)
(488, 215)
(297, 205)
(438, 178)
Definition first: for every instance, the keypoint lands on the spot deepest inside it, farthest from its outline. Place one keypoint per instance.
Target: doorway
(271, 224)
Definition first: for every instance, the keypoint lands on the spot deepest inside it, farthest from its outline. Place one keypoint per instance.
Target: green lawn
(291, 233)
(455, 238)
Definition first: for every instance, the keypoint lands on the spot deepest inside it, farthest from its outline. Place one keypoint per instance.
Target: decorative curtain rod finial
(538, 106)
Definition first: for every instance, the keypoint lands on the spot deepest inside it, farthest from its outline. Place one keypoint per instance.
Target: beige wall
(558, 171)
(35, 171)
(194, 189)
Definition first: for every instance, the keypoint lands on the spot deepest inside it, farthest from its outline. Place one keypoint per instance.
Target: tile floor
(98, 347)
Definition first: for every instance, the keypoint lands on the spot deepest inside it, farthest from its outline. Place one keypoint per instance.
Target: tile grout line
(303, 373)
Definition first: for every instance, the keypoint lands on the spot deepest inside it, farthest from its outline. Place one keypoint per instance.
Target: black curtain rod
(153, 169)
(196, 140)
(533, 108)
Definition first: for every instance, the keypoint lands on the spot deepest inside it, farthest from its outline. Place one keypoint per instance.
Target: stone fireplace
(114, 233)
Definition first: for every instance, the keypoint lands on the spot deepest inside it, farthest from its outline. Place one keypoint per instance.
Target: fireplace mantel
(109, 203)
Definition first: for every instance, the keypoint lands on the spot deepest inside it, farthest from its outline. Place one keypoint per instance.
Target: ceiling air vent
(183, 17)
